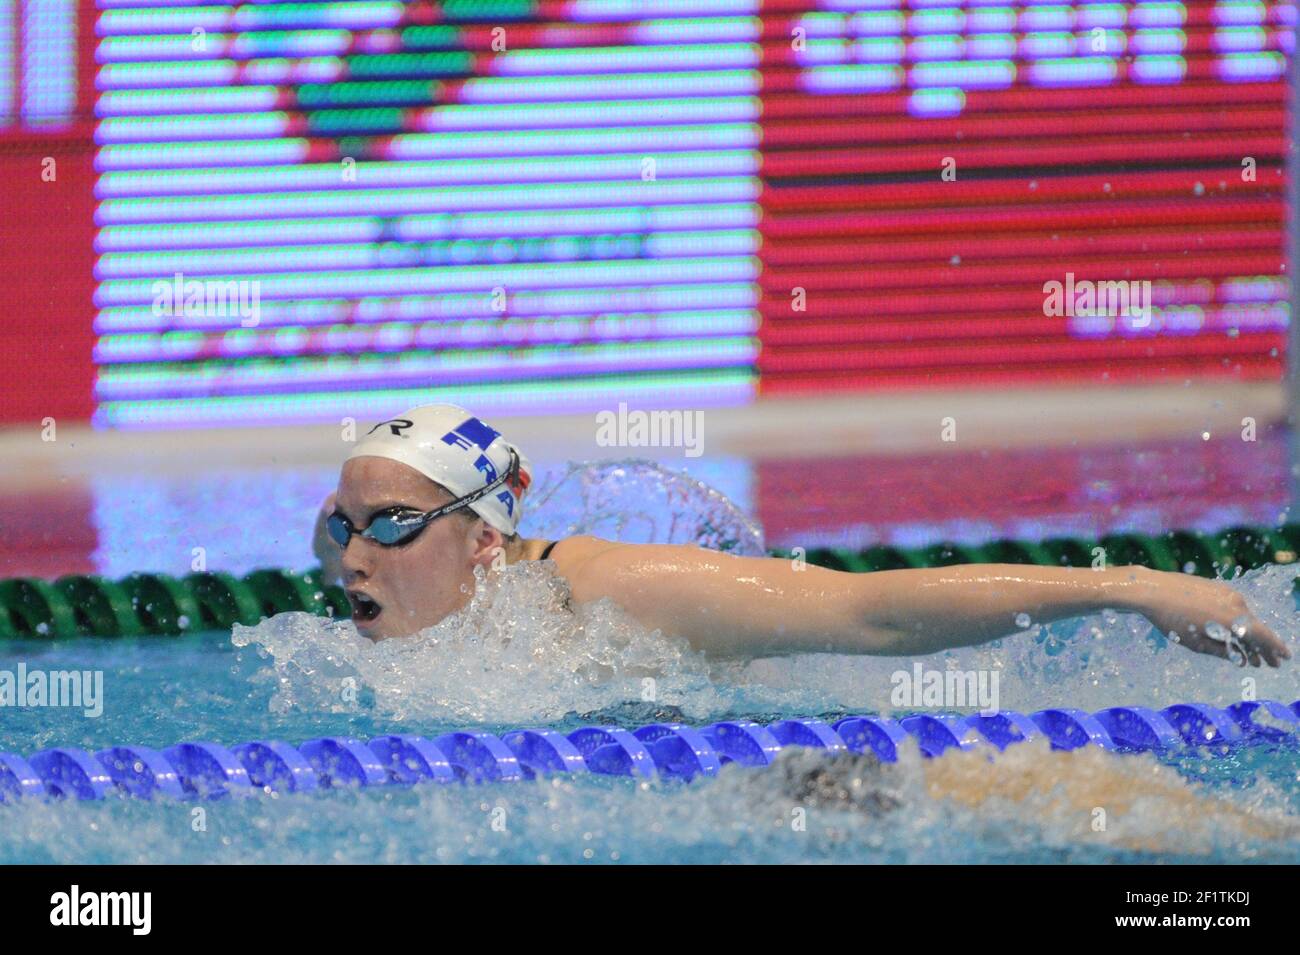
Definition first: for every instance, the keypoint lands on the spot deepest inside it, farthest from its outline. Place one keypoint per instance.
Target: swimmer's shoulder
(593, 565)
(572, 553)
(578, 560)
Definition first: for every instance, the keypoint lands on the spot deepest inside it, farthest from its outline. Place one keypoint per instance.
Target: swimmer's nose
(356, 560)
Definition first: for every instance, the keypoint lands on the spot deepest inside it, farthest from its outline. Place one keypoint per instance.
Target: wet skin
(729, 606)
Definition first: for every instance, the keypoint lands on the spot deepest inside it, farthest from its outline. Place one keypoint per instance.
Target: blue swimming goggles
(400, 525)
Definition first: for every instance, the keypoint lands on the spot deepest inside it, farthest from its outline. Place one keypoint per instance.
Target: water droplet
(1023, 620)
(1199, 188)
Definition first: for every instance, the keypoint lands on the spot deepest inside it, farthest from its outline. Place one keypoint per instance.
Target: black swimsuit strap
(547, 551)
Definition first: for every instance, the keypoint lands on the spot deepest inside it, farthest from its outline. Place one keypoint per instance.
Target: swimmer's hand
(1207, 616)
(327, 552)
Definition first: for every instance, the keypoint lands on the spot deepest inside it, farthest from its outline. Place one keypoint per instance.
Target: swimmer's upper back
(571, 554)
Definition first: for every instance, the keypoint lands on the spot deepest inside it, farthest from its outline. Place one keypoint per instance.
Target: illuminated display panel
(565, 221)
(38, 64)
(930, 168)
(308, 211)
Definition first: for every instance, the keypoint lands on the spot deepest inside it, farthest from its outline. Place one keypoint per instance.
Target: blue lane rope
(202, 770)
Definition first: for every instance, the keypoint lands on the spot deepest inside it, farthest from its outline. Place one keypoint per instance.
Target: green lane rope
(144, 604)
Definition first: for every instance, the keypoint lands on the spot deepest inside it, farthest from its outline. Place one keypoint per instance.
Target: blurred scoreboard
(311, 210)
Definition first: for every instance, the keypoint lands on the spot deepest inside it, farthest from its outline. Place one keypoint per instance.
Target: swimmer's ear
(324, 547)
(489, 545)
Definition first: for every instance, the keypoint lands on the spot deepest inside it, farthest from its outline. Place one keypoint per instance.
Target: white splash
(639, 501)
(514, 654)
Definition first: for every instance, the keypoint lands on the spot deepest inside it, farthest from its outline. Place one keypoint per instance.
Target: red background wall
(47, 249)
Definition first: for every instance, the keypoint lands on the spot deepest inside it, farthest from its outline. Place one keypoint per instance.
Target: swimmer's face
(417, 583)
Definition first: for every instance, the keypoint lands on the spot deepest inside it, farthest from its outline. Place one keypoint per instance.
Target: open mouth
(364, 609)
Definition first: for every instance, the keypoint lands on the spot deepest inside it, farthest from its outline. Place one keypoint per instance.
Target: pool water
(511, 660)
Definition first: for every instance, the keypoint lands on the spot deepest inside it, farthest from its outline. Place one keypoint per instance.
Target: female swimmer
(425, 498)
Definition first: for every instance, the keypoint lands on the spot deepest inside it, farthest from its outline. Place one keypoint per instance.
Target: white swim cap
(449, 445)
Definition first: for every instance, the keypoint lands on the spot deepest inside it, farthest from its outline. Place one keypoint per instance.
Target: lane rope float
(198, 770)
(148, 604)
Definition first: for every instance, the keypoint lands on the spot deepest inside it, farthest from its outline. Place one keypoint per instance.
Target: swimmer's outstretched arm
(753, 606)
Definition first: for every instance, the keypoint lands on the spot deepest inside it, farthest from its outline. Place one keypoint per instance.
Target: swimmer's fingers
(1262, 643)
(1241, 654)
(1257, 646)
(1207, 616)
(1199, 643)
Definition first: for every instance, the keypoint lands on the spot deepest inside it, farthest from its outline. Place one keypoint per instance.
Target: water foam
(514, 654)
